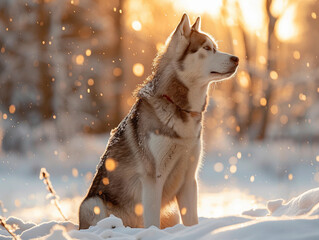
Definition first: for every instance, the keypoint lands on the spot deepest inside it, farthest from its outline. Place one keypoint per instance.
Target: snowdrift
(297, 219)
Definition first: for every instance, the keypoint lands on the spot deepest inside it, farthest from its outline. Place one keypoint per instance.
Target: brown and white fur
(156, 149)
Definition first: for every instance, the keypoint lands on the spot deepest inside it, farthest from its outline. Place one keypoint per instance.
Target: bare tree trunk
(118, 57)
(271, 62)
(44, 76)
(248, 120)
(230, 36)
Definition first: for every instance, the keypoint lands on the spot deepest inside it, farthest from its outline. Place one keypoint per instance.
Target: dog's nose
(234, 59)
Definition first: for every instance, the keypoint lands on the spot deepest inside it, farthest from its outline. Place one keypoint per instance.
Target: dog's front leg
(151, 200)
(187, 202)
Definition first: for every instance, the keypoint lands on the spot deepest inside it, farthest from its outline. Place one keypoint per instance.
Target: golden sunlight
(286, 29)
(296, 55)
(105, 181)
(252, 178)
(233, 169)
(218, 167)
(117, 72)
(79, 59)
(273, 75)
(254, 18)
(136, 25)
(278, 6)
(225, 203)
(243, 79)
(200, 6)
(139, 209)
(138, 69)
(183, 211)
(263, 102)
(12, 109)
(110, 164)
(252, 14)
(96, 210)
(88, 52)
(274, 109)
(75, 172)
(290, 176)
(40, 212)
(91, 82)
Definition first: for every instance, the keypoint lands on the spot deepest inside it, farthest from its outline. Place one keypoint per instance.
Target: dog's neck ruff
(192, 113)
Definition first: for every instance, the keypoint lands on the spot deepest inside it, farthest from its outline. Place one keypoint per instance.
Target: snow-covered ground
(297, 219)
(233, 179)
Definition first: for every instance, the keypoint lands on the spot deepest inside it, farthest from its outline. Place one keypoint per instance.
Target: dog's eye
(208, 48)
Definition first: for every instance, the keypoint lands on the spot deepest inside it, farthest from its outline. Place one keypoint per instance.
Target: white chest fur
(163, 149)
(167, 151)
(172, 160)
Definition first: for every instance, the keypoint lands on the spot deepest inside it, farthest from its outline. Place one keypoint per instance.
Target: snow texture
(230, 208)
(297, 219)
(297, 206)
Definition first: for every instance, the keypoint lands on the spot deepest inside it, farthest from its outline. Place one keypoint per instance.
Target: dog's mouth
(225, 73)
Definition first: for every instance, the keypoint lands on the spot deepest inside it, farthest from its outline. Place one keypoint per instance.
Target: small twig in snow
(10, 229)
(46, 179)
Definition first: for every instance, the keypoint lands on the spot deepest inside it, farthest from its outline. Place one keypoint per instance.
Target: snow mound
(276, 229)
(306, 203)
(261, 212)
(298, 219)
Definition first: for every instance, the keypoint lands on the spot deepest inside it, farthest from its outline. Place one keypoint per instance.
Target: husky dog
(148, 173)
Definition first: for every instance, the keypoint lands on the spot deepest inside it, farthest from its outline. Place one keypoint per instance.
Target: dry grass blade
(46, 180)
(9, 228)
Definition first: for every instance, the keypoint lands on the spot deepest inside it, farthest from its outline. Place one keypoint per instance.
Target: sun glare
(136, 25)
(226, 203)
(278, 6)
(286, 29)
(252, 14)
(200, 6)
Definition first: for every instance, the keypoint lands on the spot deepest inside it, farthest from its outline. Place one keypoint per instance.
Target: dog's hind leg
(187, 202)
(92, 210)
(170, 216)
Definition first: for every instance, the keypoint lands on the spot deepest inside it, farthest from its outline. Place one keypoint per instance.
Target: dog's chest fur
(167, 152)
(173, 156)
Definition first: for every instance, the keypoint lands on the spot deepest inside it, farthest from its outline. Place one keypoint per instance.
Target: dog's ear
(184, 27)
(196, 25)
